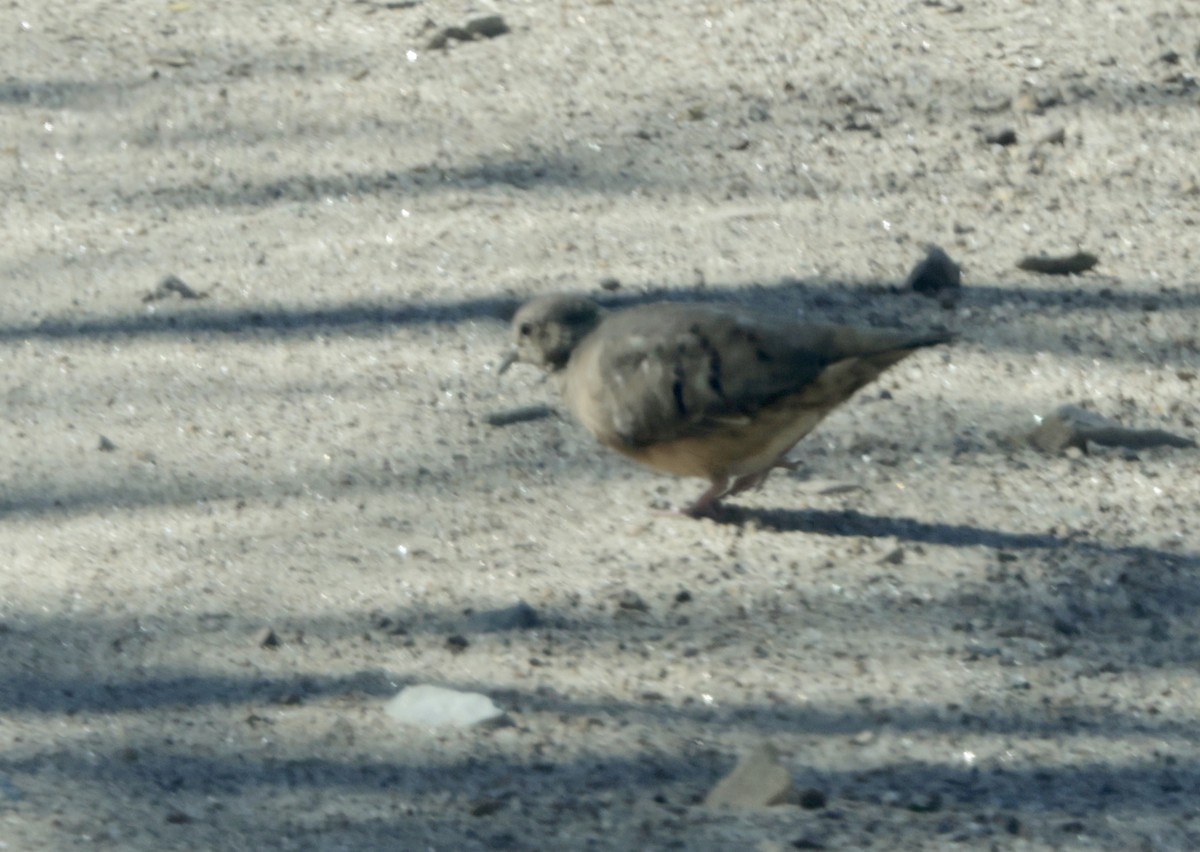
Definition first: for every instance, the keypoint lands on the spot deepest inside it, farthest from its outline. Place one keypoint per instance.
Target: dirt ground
(240, 512)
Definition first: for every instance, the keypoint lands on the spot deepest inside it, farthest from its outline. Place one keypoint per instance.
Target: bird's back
(680, 386)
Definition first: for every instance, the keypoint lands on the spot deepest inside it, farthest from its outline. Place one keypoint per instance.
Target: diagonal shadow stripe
(830, 297)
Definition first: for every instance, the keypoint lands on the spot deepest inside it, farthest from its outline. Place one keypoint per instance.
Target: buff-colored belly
(742, 447)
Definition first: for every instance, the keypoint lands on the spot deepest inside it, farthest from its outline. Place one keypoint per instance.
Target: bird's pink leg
(754, 480)
(707, 502)
(750, 480)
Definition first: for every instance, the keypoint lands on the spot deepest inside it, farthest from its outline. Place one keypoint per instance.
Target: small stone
(105, 445)
(1057, 136)
(391, 626)
(1026, 102)
(519, 616)
(812, 799)
(488, 26)
(522, 414)
(178, 817)
(1073, 264)
(935, 274)
(1004, 136)
(172, 285)
(610, 284)
(925, 803)
(865, 737)
(758, 781)
(266, 638)
(436, 707)
(993, 104)
(485, 806)
(457, 643)
(631, 601)
(1044, 98)
(1065, 625)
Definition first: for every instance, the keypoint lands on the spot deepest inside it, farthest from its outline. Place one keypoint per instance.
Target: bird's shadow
(852, 523)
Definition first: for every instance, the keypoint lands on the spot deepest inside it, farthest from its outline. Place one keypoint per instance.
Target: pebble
(1066, 625)
(936, 276)
(1026, 102)
(485, 806)
(758, 781)
(1073, 264)
(522, 414)
(1057, 136)
(438, 707)
(488, 26)
(630, 600)
(266, 638)
(925, 803)
(519, 616)
(172, 285)
(812, 799)
(1004, 136)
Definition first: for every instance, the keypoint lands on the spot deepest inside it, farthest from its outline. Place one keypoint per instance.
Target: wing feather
(663, 372)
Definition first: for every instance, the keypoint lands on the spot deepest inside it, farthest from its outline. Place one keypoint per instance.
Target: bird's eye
(526, 329)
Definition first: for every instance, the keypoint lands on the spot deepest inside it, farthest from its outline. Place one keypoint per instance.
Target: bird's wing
(662, 372)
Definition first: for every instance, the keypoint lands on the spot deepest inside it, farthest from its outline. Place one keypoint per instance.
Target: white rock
(436, 706)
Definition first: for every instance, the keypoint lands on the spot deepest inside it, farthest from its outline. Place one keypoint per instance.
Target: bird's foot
(708, 504)
(704, 506)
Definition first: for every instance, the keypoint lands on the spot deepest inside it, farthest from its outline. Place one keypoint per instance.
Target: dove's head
(548, 328)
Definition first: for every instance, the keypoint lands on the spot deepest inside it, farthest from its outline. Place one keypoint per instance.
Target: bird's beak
(510, 357)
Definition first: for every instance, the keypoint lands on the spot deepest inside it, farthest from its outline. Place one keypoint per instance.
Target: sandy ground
(959, 641)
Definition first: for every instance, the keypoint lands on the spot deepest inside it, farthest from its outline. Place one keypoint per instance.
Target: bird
(720, 392)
